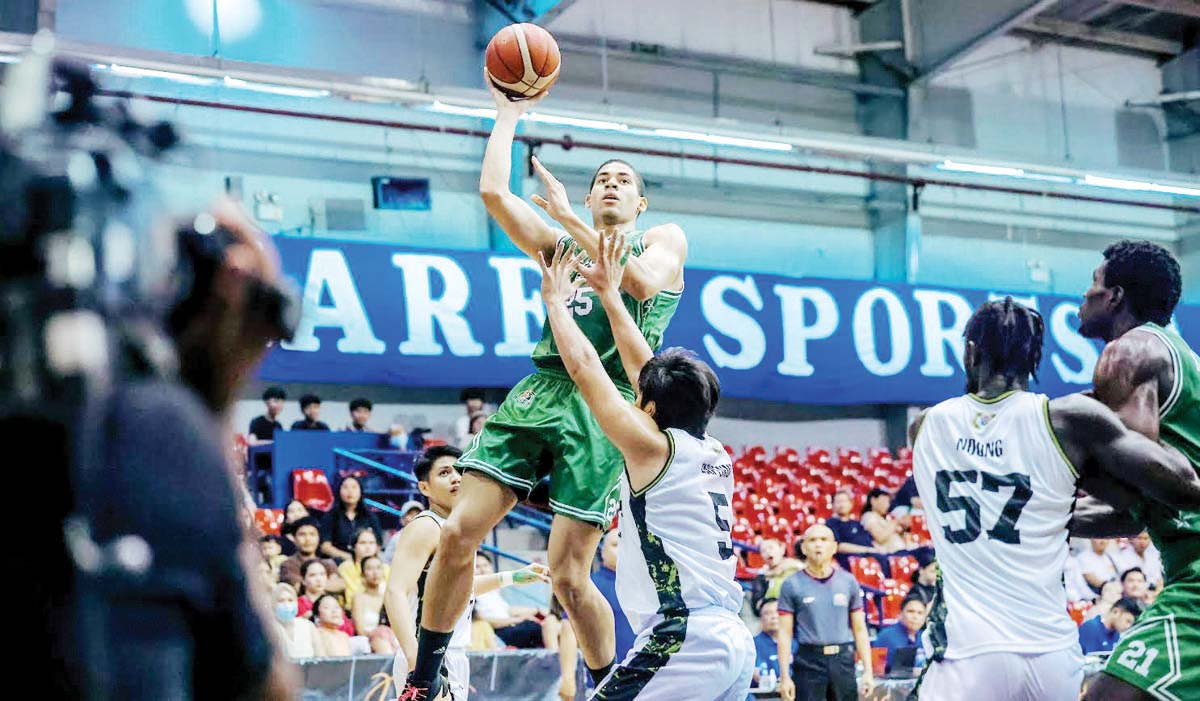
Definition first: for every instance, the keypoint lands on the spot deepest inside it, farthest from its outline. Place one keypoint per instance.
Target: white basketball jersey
(462, 628)
(997, 494)
(675, 552)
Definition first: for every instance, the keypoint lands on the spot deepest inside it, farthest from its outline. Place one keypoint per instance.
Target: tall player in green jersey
(544, 426)
(1151, 378)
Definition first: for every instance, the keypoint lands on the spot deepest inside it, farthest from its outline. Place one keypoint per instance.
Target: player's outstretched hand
(533, 572)
(506, 105)
(604, 274)
(559, 281)
(555, 202)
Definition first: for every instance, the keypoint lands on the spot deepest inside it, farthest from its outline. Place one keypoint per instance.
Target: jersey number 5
(1005, 529)
(724, 547)
(581, 303)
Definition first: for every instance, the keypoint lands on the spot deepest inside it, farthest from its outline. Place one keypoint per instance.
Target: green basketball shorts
(545, 428)
(1160, 654)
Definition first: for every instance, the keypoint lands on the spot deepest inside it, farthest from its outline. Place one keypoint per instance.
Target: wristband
(506, 579)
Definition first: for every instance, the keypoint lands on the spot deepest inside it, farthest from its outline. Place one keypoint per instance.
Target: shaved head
(817, 531)
(819, 545)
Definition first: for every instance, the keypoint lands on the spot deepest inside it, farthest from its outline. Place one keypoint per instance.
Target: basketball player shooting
(544, 426)
(1151, 378)
(1000, 467)
(676, 578)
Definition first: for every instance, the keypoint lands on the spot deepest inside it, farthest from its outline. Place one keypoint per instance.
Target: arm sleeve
(787, 597)
(856, 594)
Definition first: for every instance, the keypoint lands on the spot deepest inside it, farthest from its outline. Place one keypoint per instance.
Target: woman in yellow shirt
(365, 545)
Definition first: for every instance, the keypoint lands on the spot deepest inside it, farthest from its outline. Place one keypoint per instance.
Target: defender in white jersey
(676, 580)
(416, 546)
(998, 470)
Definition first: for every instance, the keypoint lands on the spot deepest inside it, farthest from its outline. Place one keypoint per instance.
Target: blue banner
(378, 314)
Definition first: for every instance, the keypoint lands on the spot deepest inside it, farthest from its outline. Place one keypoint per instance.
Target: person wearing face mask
(331, 639)
(296, 632)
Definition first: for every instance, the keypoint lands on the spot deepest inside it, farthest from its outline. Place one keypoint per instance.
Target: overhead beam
(941, 31)
(1057, 29)
(1187, 8)
(494, 15)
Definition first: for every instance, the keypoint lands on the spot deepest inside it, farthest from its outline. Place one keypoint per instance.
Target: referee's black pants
(825, 673)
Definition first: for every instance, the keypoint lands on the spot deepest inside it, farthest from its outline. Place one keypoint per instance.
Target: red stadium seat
(903, 566)
(867, 571)
(919, 528)
(891, 608)
(268, 521)
(311, 488)
(904, 453)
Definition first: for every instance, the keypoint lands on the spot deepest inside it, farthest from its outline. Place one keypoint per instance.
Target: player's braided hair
(1009, 335)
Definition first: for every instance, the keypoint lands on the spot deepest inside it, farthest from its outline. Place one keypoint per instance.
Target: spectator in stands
(407, 513)
(777, 567)
(1134, 586)
(266, 576)
(297, 633)
(907, 496)
(1109, 594)
(294, 511)
(1100, 633)
(313, 587)
(518, 626)
(263, 428)
(925, 578)
(272, 551)
(472, 400)
(367, 606)
(331, 640)
(1140, 552)
(475, 424)
(1077, 587)
(605, 579)
(346, 517)
(885, 533)
(307, 533)
(1097, 564)
(878, 501)
(904, 634)
(352, 571)
(821, 608)
(766, 645)
(852, 538)
(360, 414)
(310, 406)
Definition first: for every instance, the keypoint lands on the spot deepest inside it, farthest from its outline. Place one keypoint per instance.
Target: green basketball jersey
(1177, 533)
(651, 316)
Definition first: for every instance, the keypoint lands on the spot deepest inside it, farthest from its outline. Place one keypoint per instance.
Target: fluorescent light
(980, 168)
(274, 89)
(460, 110)
(1117, 183)
(722, 140)
(1176, 189)
(9, 58)
(543, 118)
(135, 72)
(1048, 177)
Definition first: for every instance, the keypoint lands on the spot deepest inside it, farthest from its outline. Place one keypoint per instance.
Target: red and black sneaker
(437, 690)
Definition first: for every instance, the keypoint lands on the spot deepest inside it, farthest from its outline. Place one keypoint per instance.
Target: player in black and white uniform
(998, 469)
(676, 580)
(416, 545)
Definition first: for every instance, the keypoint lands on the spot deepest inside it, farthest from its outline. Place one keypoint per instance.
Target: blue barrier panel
(294, 450)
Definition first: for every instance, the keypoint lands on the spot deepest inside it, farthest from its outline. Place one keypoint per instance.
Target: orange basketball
(522, 60)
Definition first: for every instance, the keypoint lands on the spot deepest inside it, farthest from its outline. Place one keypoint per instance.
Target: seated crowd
(327, 574)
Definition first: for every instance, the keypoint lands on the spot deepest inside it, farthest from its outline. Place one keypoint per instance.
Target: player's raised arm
(604, 277)
(1094, 440)
(632, 431)
(660, 266)
(414, 546)
(527, 230)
